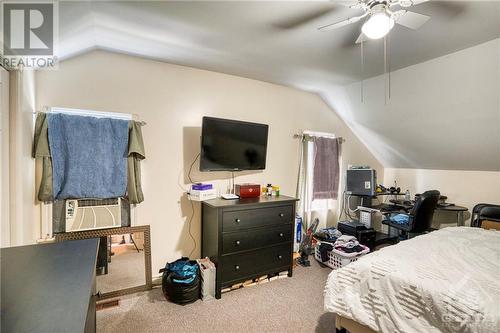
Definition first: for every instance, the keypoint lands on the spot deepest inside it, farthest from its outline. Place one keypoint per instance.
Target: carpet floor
(125, 270)
(285, 305)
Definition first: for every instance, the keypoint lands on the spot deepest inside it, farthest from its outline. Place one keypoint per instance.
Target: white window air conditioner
(90, 214)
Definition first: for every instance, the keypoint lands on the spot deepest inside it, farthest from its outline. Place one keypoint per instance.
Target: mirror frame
(97, 233)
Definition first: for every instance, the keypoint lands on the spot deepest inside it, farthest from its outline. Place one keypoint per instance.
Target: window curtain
(41, 151)
(303, 192)
(136, 154)
(318, 177)
(326, 168)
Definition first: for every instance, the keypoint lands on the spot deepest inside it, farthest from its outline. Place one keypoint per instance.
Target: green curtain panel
(41, 150)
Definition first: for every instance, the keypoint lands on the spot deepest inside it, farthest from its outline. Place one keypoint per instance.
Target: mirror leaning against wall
(124, 259)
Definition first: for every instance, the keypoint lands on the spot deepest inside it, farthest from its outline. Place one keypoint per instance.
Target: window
(52, 219)
(317, 204)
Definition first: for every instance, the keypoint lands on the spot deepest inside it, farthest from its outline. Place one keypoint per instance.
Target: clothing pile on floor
(348, 244)
(331, 239)
(181, 281)
(327, 234)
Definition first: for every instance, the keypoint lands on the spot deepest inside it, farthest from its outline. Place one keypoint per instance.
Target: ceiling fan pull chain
(362, 69)
(385, 69)
(389, 61)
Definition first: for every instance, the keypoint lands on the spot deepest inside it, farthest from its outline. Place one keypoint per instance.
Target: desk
(388, 193)
(459, 210)
(49, 287)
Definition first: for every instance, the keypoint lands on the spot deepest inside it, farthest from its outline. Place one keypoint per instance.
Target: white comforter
(445, 281)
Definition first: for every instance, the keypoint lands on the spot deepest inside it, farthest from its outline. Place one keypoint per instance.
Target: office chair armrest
(407, 210)
(392, 213)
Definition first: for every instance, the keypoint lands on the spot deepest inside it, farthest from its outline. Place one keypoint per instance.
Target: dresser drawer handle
(237, 220)
(281, 234)
(281, 215)
(237, 242)
(280, 257)
(236, 267)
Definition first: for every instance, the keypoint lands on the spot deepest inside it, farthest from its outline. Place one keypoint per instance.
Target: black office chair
(482, 212)
(419, 217)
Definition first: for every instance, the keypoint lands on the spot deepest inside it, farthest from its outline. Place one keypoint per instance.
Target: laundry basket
(337, 259)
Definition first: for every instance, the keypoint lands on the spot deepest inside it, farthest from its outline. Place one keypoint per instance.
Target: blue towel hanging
(88, 156)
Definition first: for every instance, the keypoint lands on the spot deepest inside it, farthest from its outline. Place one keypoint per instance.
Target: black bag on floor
(181, 281)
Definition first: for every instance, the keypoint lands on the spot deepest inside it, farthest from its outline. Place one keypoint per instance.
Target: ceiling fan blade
(305, 18)
(354, 4)
(409, 19)
(342, 23)
(361, 37)
(418, 2)
(407, 3)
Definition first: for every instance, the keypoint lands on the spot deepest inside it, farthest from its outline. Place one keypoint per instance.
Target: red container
(247, 190)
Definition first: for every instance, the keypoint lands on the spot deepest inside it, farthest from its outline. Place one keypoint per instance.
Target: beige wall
(172, 100)
(463, 188)
(442, 114)
(4, 156)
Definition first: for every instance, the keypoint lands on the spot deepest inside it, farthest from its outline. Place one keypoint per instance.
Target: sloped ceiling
(278, 42)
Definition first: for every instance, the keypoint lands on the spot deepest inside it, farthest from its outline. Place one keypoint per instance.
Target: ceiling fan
(382, 15)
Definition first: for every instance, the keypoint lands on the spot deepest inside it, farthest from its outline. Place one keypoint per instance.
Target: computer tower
(361, 182)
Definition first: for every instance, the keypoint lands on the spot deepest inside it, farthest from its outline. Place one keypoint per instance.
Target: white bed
(445, 281)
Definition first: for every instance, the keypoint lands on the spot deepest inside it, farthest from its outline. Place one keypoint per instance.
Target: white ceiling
(271, 41)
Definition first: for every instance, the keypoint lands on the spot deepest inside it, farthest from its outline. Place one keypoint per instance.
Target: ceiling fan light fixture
(378, 25)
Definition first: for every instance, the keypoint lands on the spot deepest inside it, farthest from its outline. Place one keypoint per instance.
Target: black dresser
(248, 238)
(49, 287)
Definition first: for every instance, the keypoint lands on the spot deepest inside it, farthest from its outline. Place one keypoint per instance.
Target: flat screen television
(231, 145)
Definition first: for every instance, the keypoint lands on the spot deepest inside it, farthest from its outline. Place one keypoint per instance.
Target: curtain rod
(140, 122)
(301, 136)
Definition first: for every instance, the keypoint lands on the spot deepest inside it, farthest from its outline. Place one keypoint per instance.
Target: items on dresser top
(229, 196)
(201, 186)
(247, 190)
(248, 238)
(201, 192)
(49, 287)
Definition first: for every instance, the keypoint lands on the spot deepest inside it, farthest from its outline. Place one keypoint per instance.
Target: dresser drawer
(243, 265)
(255, 238)
(242, 219)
